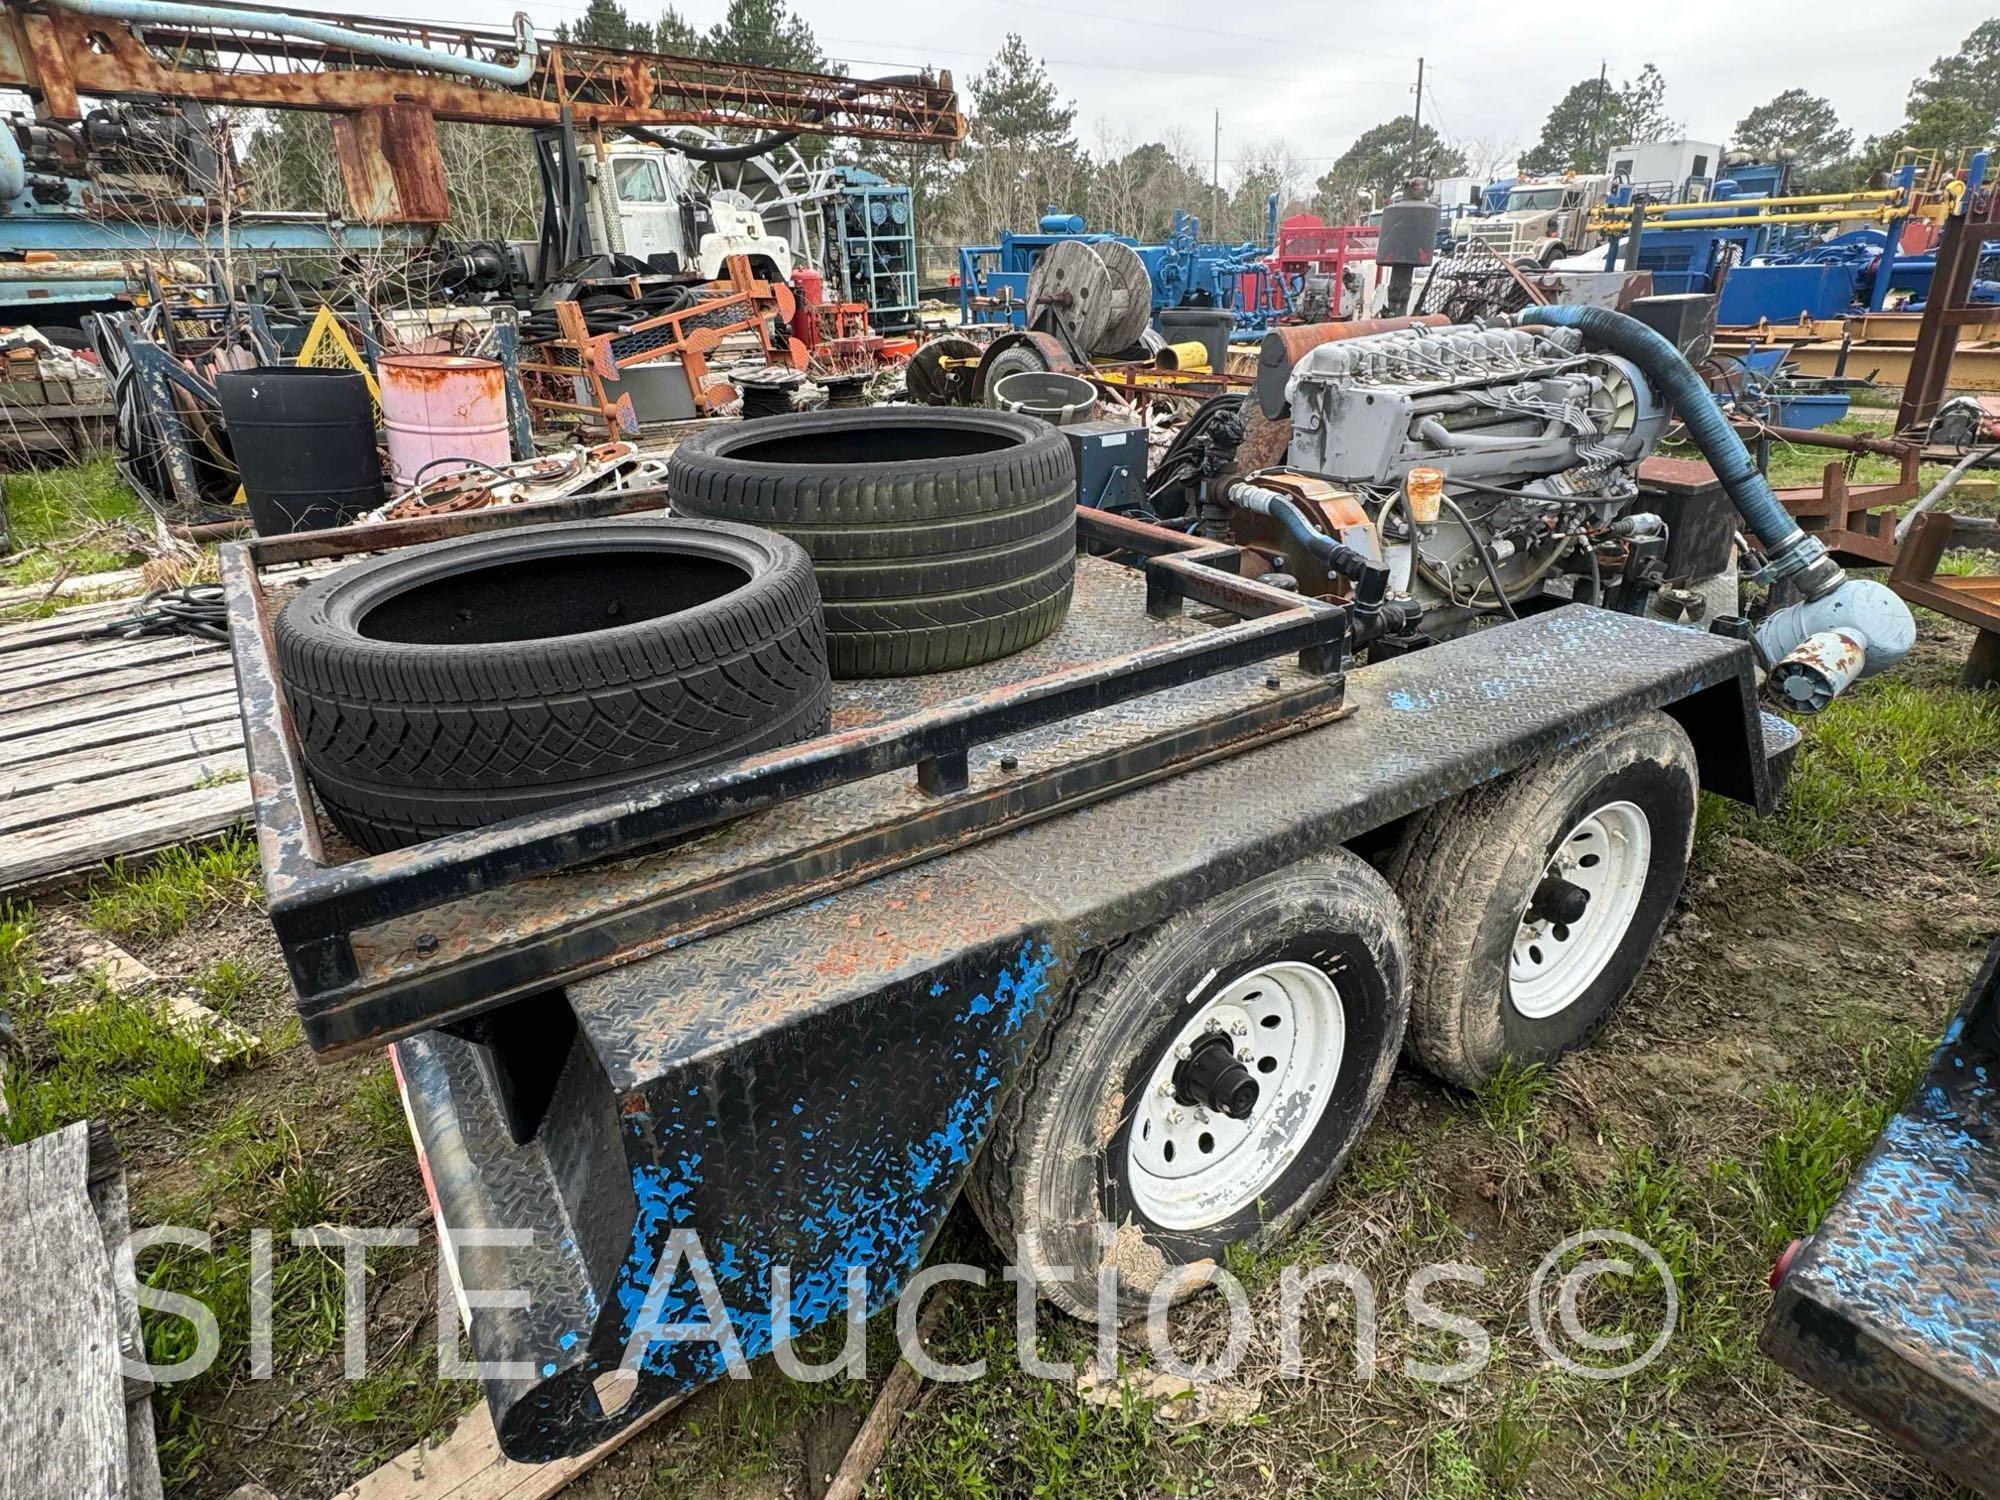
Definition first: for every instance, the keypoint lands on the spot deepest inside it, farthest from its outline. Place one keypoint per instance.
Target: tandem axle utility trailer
(1099, 932)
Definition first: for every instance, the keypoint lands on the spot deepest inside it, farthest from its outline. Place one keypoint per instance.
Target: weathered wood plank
(85, 799)
(163, 678)
(39, 855)
(127, 580)
(468, 1465)
(117, 703)
(62, 625)
(82, 661)
(96, 763)
(81, 651)
(170, 718)
(63, 1422)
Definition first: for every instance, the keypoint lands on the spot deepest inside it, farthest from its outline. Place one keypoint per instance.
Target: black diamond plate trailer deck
(1131, 687)
(807, 1089)
(1893, 1305)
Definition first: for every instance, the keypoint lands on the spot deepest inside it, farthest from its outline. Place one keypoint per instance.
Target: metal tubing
(229, 18)
(1815, 437)
(1875, 630)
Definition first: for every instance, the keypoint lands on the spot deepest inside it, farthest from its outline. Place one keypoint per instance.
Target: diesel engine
(1537, 441)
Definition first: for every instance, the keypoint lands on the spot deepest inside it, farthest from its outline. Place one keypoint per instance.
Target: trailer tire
(1484, 992)
(1070, 1151)
(958, 553)
(462, 683)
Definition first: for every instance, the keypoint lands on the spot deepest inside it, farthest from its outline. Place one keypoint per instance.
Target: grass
(163, 897)
(1508, 1099)
(398, 1406)
(1882, 751)
(226, 984)
(376, 1104)
(69, 520)
(255, 1172)
(91, 1052)
(1823, 1134)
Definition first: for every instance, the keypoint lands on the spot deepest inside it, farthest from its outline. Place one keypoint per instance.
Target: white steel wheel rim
(1188, 1167)
(1608, 853)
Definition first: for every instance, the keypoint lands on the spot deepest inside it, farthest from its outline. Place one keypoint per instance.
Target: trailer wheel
(1535, 901)
(1203, 1088)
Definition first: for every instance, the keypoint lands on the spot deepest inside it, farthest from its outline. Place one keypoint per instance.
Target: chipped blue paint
(875, 1212)
(1926, 1203)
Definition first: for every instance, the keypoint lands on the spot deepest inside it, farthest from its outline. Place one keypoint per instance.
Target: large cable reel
(1096, 289)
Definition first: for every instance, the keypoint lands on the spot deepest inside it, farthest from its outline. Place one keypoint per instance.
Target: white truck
(1667, 171)
(1544, 219)
(648, 201)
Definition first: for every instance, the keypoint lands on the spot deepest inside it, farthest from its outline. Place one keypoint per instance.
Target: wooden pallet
(111, 748)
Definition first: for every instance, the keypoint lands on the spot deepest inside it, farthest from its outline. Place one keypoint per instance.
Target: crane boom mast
(58, 54)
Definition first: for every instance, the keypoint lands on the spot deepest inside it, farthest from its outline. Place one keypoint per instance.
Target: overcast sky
(1318, 74)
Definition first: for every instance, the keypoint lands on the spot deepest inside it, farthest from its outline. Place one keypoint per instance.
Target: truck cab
(652, 202)
(1545, 218)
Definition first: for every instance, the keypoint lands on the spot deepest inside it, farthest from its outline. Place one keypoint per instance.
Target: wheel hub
(1558, 901)
(1581, 910)
(1212, 1077)
(1236, 1094)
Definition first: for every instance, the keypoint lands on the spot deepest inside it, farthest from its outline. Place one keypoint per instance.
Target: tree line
(1022, 155)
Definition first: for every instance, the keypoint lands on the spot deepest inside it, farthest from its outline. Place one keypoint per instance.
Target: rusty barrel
(442, 412)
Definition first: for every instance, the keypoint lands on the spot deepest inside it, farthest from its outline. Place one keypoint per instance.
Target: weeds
(257, 1173)
(1508, 1099)
(1824, 1134)
(377, 1104)
(399, 1406)
(75, 520)
(91, 1051)
(1880, 753)
(165, 896)
(224, 985)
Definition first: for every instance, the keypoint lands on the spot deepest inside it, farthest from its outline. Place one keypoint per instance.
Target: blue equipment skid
(1893, 1306)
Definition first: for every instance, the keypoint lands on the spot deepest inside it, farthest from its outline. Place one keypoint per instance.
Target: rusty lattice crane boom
(388, 83)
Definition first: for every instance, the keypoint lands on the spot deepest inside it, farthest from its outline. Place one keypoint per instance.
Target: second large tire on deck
(940, 539)
(469, 681)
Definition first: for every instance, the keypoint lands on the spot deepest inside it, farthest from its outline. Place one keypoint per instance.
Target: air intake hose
(1867, 614)
(1790, 549)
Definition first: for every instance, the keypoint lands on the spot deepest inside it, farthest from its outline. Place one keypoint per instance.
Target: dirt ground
(1802, 979)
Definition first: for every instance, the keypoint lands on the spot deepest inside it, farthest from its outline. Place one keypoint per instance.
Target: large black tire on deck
(941, 539)
(463, 683)
(1469, 871)
(1062, 1158)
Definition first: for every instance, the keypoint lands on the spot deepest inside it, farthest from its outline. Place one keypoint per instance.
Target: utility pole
(1417, 123)
(1596, 120)
(1215, 184)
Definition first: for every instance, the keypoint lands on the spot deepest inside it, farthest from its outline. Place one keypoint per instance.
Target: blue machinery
(128, 183)
(1186, 271)
(1768, 267)
(878, 248)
